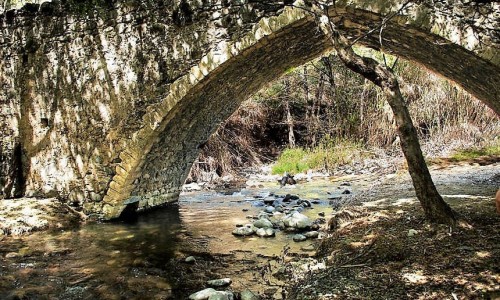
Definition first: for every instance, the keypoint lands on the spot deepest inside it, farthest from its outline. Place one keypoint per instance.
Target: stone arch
(159, 155)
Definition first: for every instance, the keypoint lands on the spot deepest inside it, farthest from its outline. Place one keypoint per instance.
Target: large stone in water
(265, 232)
(297, 220)
(243, 231)
(263, 223)
(299, 238)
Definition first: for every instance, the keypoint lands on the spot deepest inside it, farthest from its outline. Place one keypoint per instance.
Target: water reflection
(144, 259)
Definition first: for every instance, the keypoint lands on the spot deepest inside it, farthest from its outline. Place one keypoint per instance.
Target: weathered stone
(130, 104)
(297, 220)
(243, 231)
(190, 259)
(221, 295)
(219, 282)
(263, 223)
(203, 294)
(299, 238)
(265, 232)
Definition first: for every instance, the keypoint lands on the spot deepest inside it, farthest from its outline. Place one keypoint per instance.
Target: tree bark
(435, 209)
(289, 118)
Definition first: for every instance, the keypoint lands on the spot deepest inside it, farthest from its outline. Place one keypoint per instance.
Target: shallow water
(143, 259)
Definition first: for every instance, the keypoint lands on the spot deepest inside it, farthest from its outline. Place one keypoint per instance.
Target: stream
(144, 258)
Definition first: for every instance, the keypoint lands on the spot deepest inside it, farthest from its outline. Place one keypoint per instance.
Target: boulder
(297, 220)
(265, 232)
(263, 223)
(243, 231)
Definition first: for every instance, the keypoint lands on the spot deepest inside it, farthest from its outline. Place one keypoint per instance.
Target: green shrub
(472, 153)
(329, 154)
(291, 161)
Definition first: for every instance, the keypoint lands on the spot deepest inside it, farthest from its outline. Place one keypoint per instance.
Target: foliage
(471, 153)
(336, 113)
(328, 154)
(291, 161)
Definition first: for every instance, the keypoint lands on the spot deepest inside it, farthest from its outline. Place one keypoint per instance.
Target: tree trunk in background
(289, 119)
(435, 209)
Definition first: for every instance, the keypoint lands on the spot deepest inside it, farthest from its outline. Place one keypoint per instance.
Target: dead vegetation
(393, 253)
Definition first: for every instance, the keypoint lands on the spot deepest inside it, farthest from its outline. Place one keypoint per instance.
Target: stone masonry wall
(105, 104)
(76, 79)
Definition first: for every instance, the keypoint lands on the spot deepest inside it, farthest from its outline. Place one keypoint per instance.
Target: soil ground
(384, 249)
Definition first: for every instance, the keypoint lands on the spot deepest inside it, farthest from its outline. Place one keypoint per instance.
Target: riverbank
(381, 247)
(22, 216)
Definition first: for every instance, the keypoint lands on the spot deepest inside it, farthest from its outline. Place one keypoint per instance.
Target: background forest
(321, 116)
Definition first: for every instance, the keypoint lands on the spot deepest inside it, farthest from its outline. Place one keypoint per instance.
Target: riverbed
(144, 258)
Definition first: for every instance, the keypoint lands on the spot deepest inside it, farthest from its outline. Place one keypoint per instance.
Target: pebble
(190, 260)
(299, 238)
(219, 282)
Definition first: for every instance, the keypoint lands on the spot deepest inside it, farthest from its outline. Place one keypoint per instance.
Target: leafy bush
(329, 154)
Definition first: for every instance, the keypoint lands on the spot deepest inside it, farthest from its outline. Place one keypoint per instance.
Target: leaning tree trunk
(435, 209)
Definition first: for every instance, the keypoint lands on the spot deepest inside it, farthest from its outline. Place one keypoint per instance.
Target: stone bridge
(106, 103)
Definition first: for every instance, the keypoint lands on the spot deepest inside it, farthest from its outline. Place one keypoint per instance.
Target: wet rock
(269, 200)
(190, 259)
(203, 294)
(263, 223)
(219, 282)
(289, 198)
(218, 295)
(297, 220)
(321, 214)
(258, 203)
(248, 295)
(346, 192)
(311, 234)
(245, 209)
(243, 231)
(269, 209)
(263, 215)
(304, 203)
(265, 232)
(299, 238)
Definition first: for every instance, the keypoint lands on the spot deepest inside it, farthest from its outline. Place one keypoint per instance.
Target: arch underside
(191, 122)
